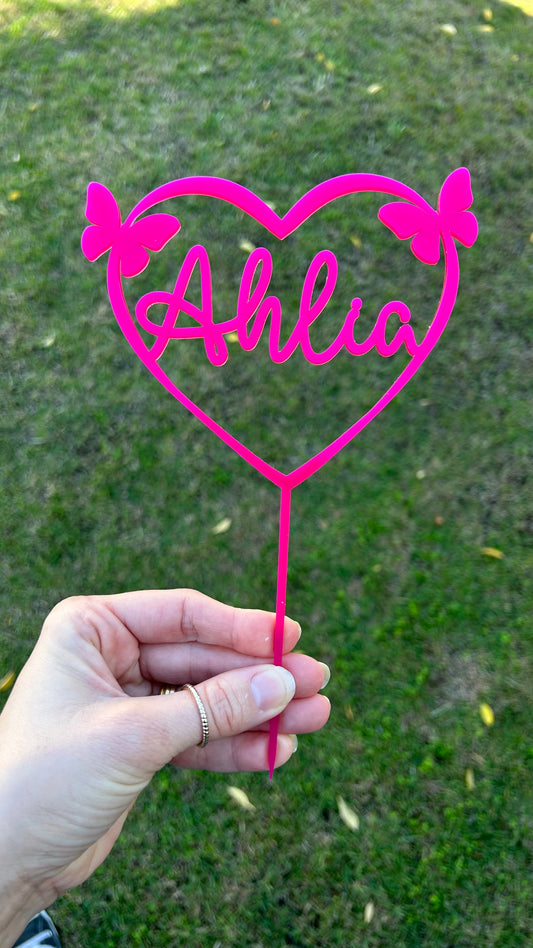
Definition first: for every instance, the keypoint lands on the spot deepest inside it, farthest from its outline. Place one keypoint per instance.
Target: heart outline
(455, 198)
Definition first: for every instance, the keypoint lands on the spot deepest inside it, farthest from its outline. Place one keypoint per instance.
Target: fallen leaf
(241, 798)
(488, 14)
(492, 552)
(329, 64)
(7, 681)
(222, 526)
(348, 710)
(449, 29)
(48, 341)
(486, 28)
(356, 241)
(320, 57)
(246, 245)
(369, 912)
(232, 336)
(374, 88)
(13, 195)
(347, 815)
(275, 21)
(439, 520)
(487, 714)
(531, 238)
(470, 780)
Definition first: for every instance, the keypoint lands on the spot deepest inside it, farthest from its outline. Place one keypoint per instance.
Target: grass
(109, 484)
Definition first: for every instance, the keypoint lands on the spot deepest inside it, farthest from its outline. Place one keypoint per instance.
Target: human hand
(86, 728)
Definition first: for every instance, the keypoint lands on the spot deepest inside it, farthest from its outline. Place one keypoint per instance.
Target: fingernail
(294, 740)
(327, 674)
(273, 689)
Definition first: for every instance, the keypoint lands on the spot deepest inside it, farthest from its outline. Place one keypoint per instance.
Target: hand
(85, 727)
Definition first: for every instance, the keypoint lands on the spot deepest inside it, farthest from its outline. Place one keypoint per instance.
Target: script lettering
(254, 308)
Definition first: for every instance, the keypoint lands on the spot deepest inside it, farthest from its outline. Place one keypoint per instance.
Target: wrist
(19, 899)
(18, 904)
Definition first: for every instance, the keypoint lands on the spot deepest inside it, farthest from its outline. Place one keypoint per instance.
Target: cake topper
(408, 216)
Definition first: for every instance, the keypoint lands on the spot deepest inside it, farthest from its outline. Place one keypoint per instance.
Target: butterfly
(424, 225)
(133, 241)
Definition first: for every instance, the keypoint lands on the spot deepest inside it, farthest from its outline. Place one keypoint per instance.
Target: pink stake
(408, 216)
(281, 600)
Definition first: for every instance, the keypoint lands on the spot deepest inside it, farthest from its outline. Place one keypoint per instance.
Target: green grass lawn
(109, 484)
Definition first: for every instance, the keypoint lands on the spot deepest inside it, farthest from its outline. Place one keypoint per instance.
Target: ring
(170, 689)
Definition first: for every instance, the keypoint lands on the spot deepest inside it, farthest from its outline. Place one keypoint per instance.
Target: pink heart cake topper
(258, 313)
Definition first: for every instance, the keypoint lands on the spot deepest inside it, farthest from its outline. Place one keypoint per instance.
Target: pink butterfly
(426, 225)
(133, 241)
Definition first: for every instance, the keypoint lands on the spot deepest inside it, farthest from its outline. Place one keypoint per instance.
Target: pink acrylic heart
(409, 216)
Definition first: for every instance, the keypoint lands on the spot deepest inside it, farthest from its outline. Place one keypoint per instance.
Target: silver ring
(203, 715)
(171, 689)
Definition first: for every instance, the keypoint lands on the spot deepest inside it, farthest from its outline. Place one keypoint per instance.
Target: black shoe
(40, 933)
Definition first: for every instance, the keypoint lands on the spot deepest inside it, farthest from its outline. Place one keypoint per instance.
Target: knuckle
(187, 620)
(78, 617)
(227, 712)
(69, 612)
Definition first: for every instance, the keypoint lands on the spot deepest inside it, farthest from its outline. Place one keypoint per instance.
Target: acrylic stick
(281, 600)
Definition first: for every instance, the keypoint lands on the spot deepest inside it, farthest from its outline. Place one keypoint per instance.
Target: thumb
(156, 729)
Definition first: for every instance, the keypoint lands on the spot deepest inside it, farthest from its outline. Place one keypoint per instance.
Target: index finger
(185, 615)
